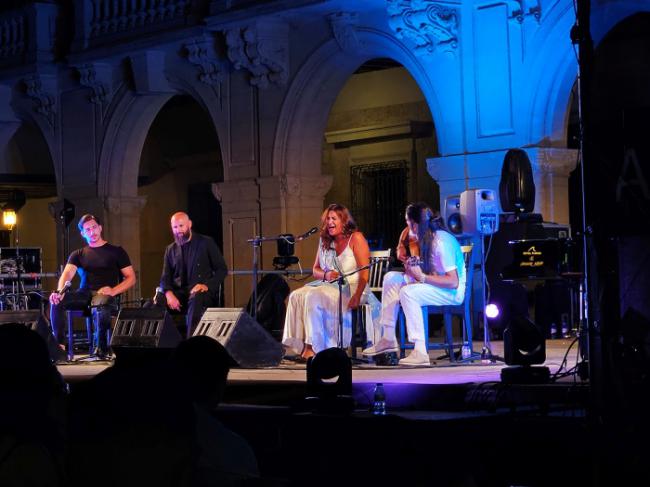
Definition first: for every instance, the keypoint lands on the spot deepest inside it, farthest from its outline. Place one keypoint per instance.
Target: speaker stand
(487, 357)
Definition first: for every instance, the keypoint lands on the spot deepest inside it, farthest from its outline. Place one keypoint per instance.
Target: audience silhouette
(225, 458)
(32, 411)
(144, 421)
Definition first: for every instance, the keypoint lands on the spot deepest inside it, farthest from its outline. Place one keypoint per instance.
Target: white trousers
(312, 318)
(400, 289)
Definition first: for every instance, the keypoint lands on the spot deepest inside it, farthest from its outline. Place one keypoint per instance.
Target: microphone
(159, 297)
(67, 285)
(308, 233)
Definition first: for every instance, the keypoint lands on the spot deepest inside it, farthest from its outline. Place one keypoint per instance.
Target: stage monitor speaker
(246, 341)
(145, 328)
(35, 321)
(452, 216)
(479, 210)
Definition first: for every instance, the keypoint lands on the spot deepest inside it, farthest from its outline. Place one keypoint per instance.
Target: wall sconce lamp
(9, 218)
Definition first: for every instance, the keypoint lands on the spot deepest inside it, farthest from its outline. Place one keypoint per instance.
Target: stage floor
(443, 385)
(440, 371)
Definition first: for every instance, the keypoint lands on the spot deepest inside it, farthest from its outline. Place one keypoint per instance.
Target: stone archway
(552, 76)
(29, 155)
(180, 161)
(297, 154)
(131, 116)
(301, 125)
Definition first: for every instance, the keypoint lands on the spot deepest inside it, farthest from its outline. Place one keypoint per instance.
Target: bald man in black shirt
(105, 272)
(193, 270)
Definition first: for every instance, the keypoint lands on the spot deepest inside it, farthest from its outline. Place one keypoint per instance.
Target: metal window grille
(379, 196)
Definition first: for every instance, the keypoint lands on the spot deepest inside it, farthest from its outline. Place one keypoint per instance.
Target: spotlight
(492, 311)
(323, 392)
(523, 346)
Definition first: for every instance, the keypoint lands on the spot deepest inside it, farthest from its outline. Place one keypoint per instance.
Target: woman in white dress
(312, 322)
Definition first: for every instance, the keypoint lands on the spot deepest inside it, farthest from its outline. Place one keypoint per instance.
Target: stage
(452, 425)
(443, 386)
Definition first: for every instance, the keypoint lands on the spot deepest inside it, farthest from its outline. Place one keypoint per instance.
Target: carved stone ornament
(120, 205)
(557, 161)
(202, 53)
(429, 25)
(343, 28)
(237, 193)
(44, 102)
(522, 9)
(306, 186)
(262, 49)
(93, 76)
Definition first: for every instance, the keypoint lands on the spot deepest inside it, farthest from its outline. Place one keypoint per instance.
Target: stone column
(293, 204)
(122, 227)
(552, 168)
(267, 206)
(240, 215)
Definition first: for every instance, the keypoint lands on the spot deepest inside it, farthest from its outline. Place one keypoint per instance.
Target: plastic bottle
(465, 352)
(553, 330)
(379, 400)
(565, 326)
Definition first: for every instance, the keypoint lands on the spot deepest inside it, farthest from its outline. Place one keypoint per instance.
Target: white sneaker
(416, 358)
(382, 346)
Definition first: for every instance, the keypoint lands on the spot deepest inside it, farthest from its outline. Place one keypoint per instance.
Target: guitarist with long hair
(435, 276)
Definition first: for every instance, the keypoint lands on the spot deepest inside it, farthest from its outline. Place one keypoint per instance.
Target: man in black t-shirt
(193, 270)
(105, 272)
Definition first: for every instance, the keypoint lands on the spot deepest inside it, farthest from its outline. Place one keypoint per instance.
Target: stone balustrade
(27, 34)
(12, 34)
(101, 22)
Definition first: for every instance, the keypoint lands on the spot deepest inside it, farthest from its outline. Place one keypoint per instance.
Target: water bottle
(565, 326)
(553, 330)
(466, 352)
(379, 401)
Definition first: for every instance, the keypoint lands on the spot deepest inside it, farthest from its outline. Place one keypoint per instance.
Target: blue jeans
(101, 307)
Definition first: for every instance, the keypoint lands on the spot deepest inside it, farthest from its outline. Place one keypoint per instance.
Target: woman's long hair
(429, 222)
(349, 225)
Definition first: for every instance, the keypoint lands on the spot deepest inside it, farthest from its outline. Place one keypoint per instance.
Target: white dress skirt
(313, 310)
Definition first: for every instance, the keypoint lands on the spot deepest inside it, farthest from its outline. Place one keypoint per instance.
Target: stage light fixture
(9, 218)
(329, 381)
(524, 345)
(492, 311)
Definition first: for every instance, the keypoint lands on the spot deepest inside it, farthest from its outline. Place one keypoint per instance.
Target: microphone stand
(257, 243)
(340, 281)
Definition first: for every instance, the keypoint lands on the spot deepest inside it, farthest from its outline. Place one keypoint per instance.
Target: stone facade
(492, 76)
